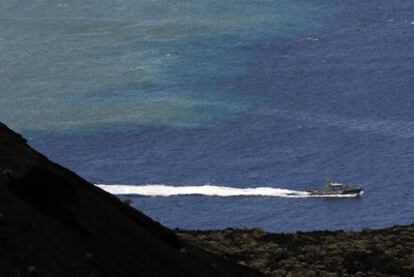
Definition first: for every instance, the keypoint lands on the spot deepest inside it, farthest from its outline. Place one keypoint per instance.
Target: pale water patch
(173, 112)
(57, 56)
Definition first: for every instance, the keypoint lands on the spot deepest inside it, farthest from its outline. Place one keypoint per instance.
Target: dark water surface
(237, 94)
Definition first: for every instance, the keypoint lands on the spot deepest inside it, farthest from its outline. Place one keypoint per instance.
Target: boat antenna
(328, 180)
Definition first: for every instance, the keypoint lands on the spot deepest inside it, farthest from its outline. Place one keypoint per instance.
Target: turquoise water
(75, 66)
(238, 94)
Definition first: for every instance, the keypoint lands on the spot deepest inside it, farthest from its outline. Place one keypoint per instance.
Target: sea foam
(206, 190)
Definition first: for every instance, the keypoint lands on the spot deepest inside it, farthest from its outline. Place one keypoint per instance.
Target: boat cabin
(336, 186)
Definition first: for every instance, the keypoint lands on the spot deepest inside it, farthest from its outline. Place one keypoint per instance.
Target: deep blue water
(240, 94)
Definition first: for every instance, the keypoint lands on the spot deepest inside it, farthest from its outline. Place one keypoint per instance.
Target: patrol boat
(333, 188)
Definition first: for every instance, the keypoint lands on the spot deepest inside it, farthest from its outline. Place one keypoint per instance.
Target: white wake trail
(206, 190)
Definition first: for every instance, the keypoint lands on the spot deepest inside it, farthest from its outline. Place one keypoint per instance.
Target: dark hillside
(54, 223)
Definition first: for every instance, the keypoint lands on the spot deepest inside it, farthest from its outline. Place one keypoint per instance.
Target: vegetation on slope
(381, 252)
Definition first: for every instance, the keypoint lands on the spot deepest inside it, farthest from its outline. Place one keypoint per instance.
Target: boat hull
(356, 192)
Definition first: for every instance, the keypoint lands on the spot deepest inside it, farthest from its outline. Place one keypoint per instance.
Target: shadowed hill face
(54, 223)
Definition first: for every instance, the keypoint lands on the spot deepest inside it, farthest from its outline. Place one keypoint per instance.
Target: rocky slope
(54, 223)
(384, 252)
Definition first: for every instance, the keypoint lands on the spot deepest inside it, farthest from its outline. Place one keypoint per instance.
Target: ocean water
(214, 114)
